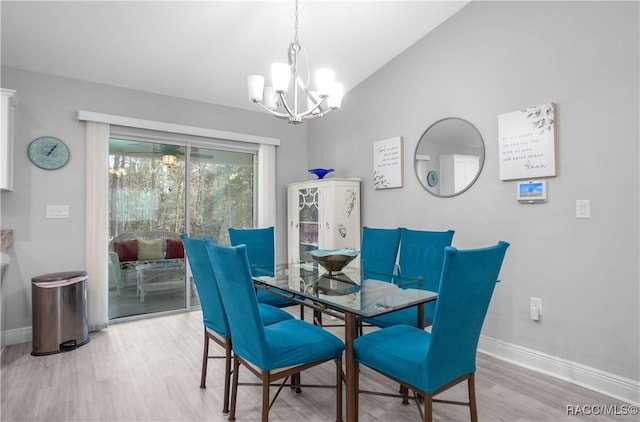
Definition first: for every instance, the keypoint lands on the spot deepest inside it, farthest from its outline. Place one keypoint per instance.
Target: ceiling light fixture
(169, 160)
(120, 171)
(326, 97)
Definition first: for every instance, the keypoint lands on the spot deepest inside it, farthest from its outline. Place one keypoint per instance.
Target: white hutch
(323, 214)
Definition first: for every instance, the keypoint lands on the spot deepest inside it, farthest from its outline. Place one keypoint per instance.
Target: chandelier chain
(295, 39)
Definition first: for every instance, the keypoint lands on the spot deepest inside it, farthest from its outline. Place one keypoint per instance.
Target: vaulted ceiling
(204, 50)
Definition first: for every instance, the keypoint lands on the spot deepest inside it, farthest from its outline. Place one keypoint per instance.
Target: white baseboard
(18, 336)
(618, 387)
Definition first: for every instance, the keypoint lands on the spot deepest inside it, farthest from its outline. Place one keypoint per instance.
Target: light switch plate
(57, 211)
(535, 308)
(583, 208)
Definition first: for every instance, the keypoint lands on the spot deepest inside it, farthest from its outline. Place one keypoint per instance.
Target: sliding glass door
(158, 190)
(221, 193)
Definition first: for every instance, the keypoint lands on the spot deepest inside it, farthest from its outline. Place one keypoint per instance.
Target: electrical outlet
(583, 208)
(535, 308)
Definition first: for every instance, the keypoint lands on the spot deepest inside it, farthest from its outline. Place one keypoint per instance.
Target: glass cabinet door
(308, 222)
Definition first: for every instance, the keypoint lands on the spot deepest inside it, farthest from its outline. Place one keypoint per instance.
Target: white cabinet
(323, 214)
(6, 141)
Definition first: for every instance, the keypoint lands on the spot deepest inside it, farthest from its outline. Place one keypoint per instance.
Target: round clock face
(48, 153)
(432, 178)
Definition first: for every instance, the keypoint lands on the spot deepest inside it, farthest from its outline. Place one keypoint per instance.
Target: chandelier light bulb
(255, 86)
(280, 73)
(324, 80)
(270, 98)
(335, 96)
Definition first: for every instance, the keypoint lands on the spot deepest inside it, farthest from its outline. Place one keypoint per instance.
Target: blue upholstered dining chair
(216, 326)
(430, 363)
(261, 251)
(378, 252)
(421, 256)
(271, 352)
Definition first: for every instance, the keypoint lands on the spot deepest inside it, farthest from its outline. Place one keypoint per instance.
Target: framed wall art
(387, 163)
(527, 143)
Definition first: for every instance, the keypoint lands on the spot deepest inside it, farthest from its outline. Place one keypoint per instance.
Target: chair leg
(405, 394)
(471, 384)
(227, 376)
(234, 389)
(266, 380)
(428, 408)
(205, 360)
(356, 376)
(339, 389)
(296, 382)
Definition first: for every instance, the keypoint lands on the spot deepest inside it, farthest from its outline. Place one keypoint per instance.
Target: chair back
(422, 253)
(468, 280)
(260, 248)
(233, 273)
(213, 314)
(378, 252)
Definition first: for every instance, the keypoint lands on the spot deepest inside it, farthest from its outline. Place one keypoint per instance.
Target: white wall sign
(527, 140)
(387, 163)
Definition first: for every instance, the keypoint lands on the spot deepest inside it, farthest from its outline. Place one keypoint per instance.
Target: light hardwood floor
(149, 370)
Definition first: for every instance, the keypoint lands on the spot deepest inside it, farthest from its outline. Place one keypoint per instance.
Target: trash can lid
(58, 276)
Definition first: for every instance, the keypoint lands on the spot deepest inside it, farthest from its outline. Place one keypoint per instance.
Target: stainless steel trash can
(59, 311)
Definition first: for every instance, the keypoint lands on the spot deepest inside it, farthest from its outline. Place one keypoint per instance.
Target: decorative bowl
(333, 259)
(320, 173)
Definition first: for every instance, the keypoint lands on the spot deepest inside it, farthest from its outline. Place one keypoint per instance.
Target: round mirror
(449, 157)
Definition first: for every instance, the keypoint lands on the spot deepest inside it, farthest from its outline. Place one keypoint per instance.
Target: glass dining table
(348, 296)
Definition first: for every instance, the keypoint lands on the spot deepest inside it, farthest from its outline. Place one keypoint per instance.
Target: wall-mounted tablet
(532, 191)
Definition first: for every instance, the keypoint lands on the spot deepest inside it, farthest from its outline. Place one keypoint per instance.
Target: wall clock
(48, 153)
(432, 178)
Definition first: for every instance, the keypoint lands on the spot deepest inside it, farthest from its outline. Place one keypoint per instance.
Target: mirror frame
(480, 167)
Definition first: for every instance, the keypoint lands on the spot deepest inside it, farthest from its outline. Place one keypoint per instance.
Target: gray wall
(48, 105)
(493, 58)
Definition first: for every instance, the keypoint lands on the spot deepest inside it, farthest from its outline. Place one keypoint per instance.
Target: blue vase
(320, 173)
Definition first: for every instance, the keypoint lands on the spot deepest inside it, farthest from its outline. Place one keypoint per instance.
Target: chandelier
(326, 97)
(169, 160)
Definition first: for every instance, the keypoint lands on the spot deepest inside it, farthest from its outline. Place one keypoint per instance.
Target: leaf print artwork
(540, 117)
(379, 181)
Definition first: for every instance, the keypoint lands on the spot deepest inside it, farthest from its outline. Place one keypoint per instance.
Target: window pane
(145, 194)
(222, 193)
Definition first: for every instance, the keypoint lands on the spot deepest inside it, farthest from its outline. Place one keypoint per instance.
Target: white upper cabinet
(6, 143)
(323, 214)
